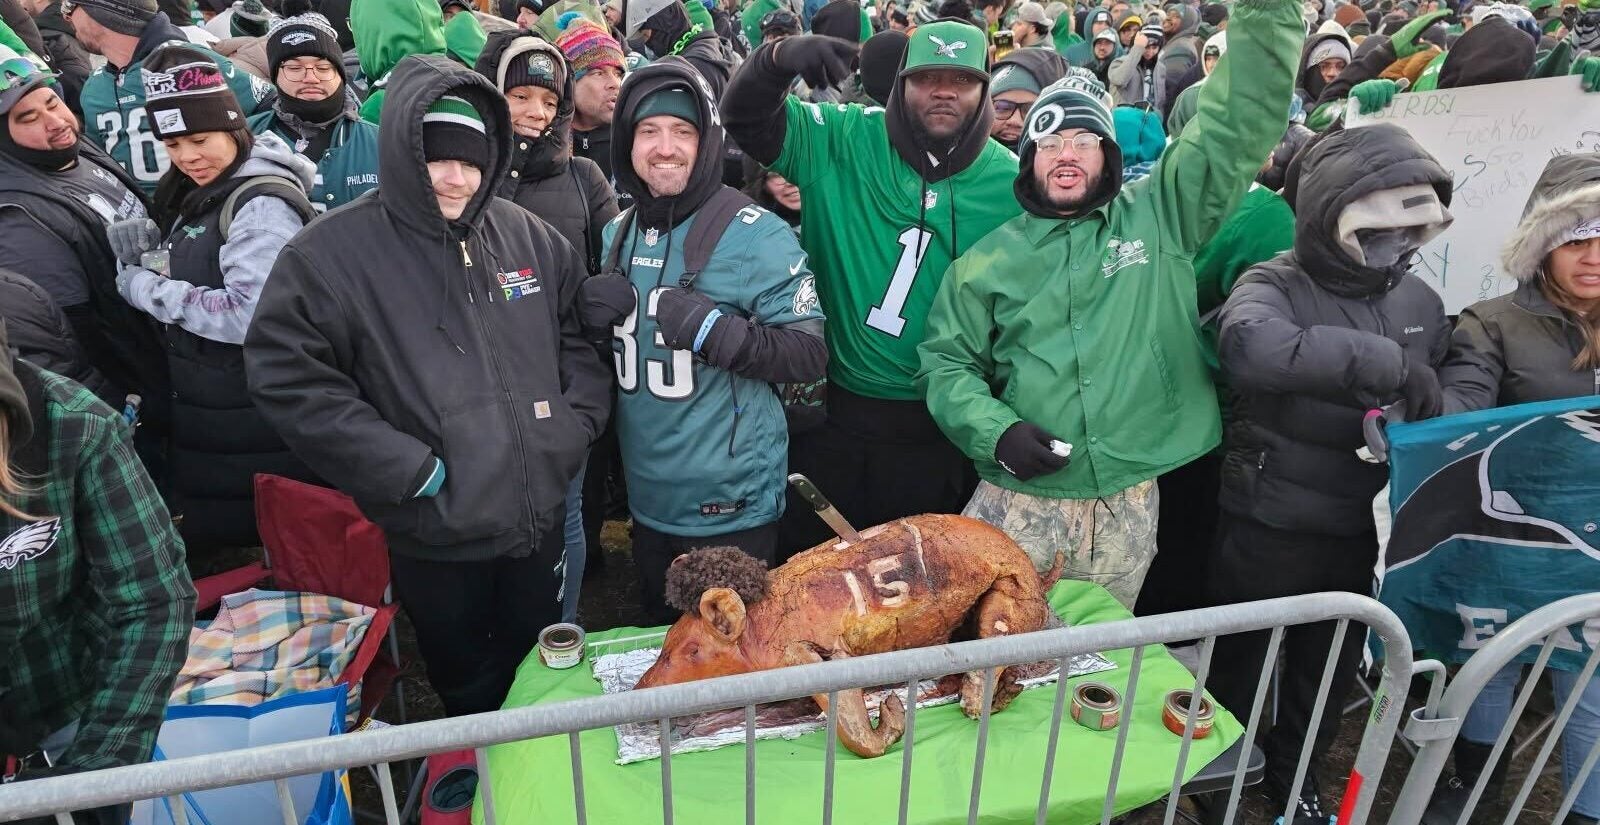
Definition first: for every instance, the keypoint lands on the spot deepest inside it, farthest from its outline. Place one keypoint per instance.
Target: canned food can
(1096, 706)
(561, 645)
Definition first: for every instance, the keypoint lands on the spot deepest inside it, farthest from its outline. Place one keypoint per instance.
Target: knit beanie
(675, 101)
(1213, 14)
(588, 47)
(306, 35)
(838, 18)
(1348, 15)
(880, 61)
(1153, 35)
(1010, 77)
(121, 16)
(452, 129)
(1331, 48)
(185, 93)
(525, 63)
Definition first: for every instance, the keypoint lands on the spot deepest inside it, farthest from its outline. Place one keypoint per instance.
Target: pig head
(706, 644)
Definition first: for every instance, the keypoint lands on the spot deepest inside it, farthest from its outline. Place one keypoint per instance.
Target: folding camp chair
(316, 540)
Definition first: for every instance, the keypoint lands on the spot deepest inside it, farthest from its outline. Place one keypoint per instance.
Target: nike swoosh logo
(799, 265)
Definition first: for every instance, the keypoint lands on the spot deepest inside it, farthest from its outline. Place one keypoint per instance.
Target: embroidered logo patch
(192, 232)
(1122, 254)
(29, 543)
(651, 236)
(518, 284)
(805, 298)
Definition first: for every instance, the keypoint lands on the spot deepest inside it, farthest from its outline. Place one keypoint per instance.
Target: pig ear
(723, 610)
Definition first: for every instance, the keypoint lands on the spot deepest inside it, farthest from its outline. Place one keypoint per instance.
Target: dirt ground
(609, 600)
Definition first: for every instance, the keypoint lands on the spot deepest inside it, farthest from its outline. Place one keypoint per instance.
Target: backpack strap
(710, 222)
(279, 187)
(614, 254)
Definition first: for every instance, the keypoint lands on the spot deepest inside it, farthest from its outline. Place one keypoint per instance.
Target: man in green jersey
(1073, 327)
(126, 32)
(900, 192)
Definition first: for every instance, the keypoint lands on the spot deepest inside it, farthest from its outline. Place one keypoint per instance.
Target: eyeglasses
(1082, 144)
(1006, 108)
(295, 71)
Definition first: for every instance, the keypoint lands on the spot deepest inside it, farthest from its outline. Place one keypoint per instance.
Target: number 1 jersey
(879, 239)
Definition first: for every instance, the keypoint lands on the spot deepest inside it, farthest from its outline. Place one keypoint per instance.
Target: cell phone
(157, 261)
(1003, 43)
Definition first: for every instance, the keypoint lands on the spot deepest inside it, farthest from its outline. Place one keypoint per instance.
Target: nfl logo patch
(651, 236)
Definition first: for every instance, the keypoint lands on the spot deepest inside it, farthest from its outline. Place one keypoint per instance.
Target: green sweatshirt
(1088, 327)
(386, 31)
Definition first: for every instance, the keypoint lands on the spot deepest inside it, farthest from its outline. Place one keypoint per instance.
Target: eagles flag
(1496, 513)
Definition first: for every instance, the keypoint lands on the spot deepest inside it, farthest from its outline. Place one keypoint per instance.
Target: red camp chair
(316, 541)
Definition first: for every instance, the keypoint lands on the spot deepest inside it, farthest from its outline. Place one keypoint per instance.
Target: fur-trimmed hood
(1566, 194)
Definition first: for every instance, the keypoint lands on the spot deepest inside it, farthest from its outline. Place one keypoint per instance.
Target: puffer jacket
(1310, 341)
(569, 193)
(1519, 347)
(41, 335)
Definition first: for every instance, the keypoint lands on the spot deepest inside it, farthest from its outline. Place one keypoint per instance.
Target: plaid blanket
(269, 643)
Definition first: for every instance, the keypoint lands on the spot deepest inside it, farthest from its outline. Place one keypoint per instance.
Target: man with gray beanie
(126, 32)
(1063, 351)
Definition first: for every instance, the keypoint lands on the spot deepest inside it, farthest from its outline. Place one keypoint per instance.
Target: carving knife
(825, 509)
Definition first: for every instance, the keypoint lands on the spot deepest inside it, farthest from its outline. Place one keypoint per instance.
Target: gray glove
(132, 238)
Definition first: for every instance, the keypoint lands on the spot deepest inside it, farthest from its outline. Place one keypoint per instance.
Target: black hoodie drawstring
(444, 302)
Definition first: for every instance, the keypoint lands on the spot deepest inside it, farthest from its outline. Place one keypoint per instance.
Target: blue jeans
(1492, 707)
(576, 550)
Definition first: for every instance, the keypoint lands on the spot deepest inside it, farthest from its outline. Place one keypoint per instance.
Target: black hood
(51, 19)
(157, 32)
(1338, 169)
(704, 178)
(414, 85)
(1045, 66)
(969, 144)
(1310, 79)
(547, 155)
(1494, 51)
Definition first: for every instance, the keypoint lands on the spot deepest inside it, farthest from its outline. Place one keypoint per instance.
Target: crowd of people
(1115, 278)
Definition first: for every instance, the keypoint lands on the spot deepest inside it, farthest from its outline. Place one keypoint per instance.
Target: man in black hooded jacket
(1310, 341)
(436, 373)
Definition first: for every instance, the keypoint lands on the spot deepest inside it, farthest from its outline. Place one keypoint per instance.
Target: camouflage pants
(1109, 541)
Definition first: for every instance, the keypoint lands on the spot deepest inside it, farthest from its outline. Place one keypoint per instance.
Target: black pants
(877, 461)
(1254, 561)
(1185, 537)
(602, 491)
(477, 620)
(653, 552)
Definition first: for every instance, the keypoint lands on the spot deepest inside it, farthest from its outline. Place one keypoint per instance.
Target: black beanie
(839, 18)
(453, 129)
(525, 63)
(307, 35)
(122, 16)
(880, 63)
(186, 93)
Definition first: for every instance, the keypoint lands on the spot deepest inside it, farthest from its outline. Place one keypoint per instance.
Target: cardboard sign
(1495, 141)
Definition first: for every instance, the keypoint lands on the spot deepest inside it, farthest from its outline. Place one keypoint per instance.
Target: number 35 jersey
(879, 239)
(706, 451)
(114, 114)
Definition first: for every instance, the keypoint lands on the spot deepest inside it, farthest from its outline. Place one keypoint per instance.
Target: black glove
(679, 314)
(1024, 450)
(1421, 390)
(603, 301)
(821, 61)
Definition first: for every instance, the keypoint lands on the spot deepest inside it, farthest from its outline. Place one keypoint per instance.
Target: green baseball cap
(947, 44)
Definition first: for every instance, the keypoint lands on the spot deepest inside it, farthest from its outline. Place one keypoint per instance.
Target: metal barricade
(1435, 726)
(380, 748)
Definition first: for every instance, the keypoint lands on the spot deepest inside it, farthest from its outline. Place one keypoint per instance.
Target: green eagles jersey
(114, 115)
(706, 451)
(879, 239)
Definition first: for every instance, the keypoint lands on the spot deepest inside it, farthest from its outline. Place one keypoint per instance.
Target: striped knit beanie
(587, 47)
(452, 129)
(1076, 101)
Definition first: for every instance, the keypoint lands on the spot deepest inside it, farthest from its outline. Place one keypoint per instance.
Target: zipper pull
(466, 274)
(465, 257)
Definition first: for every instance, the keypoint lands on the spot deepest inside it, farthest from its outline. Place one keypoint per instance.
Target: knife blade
(825, 509)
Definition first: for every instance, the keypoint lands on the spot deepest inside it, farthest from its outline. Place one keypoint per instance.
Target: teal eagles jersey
(114, 115)
(706, 451)
(348, 168)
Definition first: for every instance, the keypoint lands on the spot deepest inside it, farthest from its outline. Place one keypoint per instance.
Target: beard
(935, 143)
(1064, 203)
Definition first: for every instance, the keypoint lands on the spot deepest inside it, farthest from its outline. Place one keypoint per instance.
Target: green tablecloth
(532, 780)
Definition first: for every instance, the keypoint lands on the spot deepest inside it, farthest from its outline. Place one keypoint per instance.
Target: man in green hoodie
(388, 31)
(1071, 331)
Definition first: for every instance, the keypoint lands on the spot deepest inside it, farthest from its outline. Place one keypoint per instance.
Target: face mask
(1383, 248)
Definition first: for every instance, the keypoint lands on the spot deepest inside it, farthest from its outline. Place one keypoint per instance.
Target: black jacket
(39, 332)
(571, 194)
(123, 344)
(67, 56)
(433, 338)
(1311, 340)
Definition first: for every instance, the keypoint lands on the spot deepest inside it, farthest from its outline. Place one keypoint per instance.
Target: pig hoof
(892, 720)
(972, 694)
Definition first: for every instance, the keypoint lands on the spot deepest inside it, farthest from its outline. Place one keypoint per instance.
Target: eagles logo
(805, 297)
(950, 50)
(29, 543)
(541, 64)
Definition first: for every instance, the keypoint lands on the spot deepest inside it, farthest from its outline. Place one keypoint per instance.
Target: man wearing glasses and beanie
(1063, 350)
(316, 112)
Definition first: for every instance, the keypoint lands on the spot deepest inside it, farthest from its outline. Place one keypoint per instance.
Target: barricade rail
(381, 747)
(1436, 725)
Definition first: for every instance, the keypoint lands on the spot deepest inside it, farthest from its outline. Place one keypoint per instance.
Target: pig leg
(1004, 610)
(854, 725)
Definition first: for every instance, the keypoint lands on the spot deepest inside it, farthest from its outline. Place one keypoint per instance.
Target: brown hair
(1585, 314)
(11, 482)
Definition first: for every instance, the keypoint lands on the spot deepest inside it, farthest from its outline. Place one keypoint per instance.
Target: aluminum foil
(641, 741)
